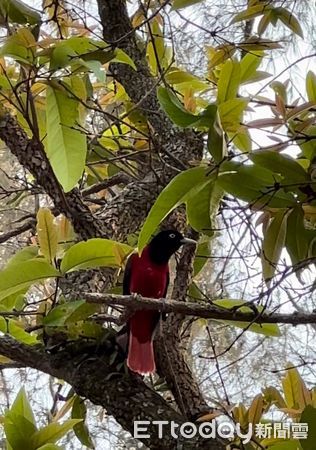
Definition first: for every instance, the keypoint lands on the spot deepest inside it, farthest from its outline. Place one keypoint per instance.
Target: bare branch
(208, 311)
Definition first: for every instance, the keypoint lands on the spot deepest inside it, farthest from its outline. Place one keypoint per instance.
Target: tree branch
(209, 311)
(123, 395)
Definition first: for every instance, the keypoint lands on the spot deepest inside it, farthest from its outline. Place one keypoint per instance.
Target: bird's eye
(172, 235)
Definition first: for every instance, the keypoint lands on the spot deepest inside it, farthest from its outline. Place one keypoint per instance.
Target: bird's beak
(188, 241)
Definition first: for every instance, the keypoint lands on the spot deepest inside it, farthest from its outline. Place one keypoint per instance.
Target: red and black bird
(148, 275)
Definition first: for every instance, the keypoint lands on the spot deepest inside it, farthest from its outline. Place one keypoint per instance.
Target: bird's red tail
(141, 356)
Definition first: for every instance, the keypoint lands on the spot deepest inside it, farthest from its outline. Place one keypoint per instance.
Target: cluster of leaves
(21, 430)
(297, 404)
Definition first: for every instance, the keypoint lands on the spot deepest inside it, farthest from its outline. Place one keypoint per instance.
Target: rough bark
(128, 399)
(124, 398)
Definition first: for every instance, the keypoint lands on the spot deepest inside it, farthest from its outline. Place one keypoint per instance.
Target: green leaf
(179, 4)
(198, 209)
(21, 406)
(50, 447)
(253, 184)
(251, 13)
(52, 432)
(231, 113)
(79, 411)
(203, 253)
(202, 207)
(216, 143)
(229, 81)
(298, 238)
(289, 20)
(19, 422)
(174, 108)
(309, 416)
(311, 86)
(19, 46)
(95, 253)
(174, 194)
(242, 139)
(291, 171)
(18, 12)
(69, 313)
(249, 65)
(23, 255)
(179, 77)
(267, 329)
(66, 145)
(122, 57)
(273, 243)
(24, 274)
(79, 49)
(18, 431)
(47, 233)
(16, 329)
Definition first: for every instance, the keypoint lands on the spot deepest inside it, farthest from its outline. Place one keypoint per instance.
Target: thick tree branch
(206, 311)
(31, 155)
(17, 231)
(128, 398)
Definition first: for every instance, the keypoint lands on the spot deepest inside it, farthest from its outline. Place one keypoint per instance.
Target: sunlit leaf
(122, 57)
(24, 274)
(229, 81)
(19, 46)
(47, 233)
(94, 253)
(311, 86)
(66, 144)
(16, 329)
(52, 432)
(296, 394)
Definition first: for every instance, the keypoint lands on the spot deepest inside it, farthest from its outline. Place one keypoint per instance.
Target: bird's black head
(165, 244)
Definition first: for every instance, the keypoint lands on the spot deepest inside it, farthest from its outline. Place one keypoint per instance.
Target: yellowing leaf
(255, 410)
(311, 86)
(219, 54)
(229, 81)
(179, 4)
(47, 233)
(297, 396)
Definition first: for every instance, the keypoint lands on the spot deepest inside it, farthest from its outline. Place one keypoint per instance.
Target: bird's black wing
(123, 334)
(127, 275)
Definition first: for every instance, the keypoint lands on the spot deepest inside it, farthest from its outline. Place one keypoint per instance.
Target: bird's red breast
(147, 278)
